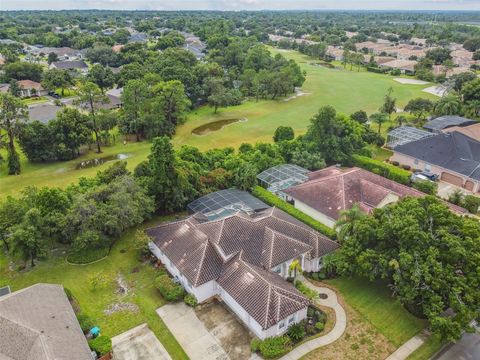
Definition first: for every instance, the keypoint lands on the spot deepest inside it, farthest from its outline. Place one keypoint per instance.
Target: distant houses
(27, 88)
(73, 65)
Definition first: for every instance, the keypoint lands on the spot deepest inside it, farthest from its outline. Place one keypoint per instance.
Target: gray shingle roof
(38, 323)
(453, 151)
(447, 121)
(73, 64)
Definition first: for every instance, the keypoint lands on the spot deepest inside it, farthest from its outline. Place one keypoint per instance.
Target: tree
(57, 78)
(29, 238)
(134, 98)
(52, 57)
(471, 90)
(162, 179)
(283, 133)
(69, 130)
(14, 88)
(101, 76)
(427, 254)
(360, 116)
(438, 55)
(89, 95)
(294, 268)
(347, 223)
(449, 104)
(379, 119)
(23, 71)
(389, 103)
(419, 107)
(13, 113)
(102, 54)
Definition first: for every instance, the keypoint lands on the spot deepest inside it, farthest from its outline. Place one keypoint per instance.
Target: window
(281, 324)
(291, 320)
(277, 269)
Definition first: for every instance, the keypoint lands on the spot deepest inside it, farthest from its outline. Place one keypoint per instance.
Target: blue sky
(241, 4)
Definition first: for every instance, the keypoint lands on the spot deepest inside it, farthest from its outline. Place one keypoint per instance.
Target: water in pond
(215, 126)
(99, 161)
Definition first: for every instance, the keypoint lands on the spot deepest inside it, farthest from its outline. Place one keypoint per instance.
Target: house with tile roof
(38, 323)
(243, 254)
(332, 190)
(453, 156)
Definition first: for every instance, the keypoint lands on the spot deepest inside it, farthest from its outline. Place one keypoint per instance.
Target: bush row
(273, 200)
(380, 168)
(168, 288)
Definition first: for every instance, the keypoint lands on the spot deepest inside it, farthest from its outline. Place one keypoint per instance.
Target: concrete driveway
(191, 333)
(139, 343)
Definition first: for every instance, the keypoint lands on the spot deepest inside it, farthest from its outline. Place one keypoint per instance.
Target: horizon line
(252, 10)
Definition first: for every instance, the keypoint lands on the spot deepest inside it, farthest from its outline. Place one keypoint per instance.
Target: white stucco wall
(317, 215)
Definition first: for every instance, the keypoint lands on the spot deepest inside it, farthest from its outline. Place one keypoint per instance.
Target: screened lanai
(282, 177)
(405, 134)
(223, 203)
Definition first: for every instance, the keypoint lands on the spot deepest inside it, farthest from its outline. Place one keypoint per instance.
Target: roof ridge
(288, 237)
(202, 260)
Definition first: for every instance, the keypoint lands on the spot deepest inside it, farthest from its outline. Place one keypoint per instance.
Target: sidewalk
(406, 349)
(337, 331)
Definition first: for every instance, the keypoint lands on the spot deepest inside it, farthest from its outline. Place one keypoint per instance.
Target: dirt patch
(360, 340)
(121, 306)
(298, 93)
(221, 323)
(122, 287)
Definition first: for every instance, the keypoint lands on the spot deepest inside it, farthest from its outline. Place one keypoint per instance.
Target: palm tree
(389, 104)
(295, 267)
(448, 105)
(348, 221)
(379, 118)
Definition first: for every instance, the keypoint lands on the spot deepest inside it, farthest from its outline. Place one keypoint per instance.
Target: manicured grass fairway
(94, 302)
(62, 174)
(374, 302)
(346, 90)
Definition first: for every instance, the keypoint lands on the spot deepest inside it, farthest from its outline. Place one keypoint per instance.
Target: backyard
(126, 298)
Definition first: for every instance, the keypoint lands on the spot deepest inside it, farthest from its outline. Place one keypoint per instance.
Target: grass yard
(346, 90)
(122, 262)
(429, 348)
(375, 304)
(62, 174)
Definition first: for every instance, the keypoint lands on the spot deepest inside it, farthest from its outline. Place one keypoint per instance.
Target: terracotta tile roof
(332, 190)
(274, 298)
(29, 84)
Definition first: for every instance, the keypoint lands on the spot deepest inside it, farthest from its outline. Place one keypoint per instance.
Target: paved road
(467, 348)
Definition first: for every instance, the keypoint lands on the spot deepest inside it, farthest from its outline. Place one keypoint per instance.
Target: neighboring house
(441, 123)
(442, 70)
(114, 95)
(38, 323)
(472, 131)
(43, 112)
(453, 156)
(63, 53)
(405, 66)
(30, 88)
(244, 260)
(138, 37)
(75, 65)
(117, 48)
(332, 190)
(334, 53)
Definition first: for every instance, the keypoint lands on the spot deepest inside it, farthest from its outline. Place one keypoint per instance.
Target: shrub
(319, 326)
(428, 187)
(274, 347)
(101, 345)
(305, 290)
(271, 199)
(296, 332)
(395, 163)
(85, 321)
(471, 203)
(169, 290)
(406, 167)
(383, 169)
(190, 300)
(255, 344)
(310, 312)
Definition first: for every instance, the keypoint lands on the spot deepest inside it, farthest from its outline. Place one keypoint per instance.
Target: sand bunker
(436, 90)
(410, 81)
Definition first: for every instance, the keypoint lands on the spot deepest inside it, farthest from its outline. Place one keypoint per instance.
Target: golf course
(252, 122)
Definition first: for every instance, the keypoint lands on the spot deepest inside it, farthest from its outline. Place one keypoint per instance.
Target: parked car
(54, 94)
(423, 176)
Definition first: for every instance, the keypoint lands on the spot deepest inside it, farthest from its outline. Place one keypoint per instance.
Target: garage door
(452, 179)
(469, 185)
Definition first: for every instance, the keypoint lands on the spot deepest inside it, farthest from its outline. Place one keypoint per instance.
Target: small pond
(99, 161)
(215, 126)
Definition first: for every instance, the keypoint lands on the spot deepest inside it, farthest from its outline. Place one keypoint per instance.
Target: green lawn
(346, 90)
(374, 302)
(62, 174)
(122, 260)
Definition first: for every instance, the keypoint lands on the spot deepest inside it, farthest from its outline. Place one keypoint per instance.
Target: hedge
(169, 289)
(386, 170)
(101, 345)
(273, 200)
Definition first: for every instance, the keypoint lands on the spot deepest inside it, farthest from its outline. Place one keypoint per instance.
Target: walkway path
(406, 349)
(337, 331)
